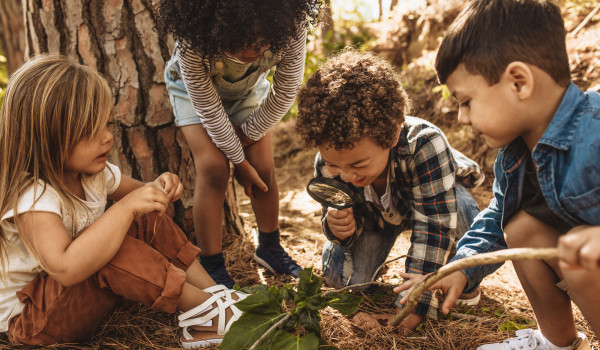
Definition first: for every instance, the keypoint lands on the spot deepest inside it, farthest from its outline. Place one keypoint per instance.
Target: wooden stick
(585, 21)
(270, 330)
(479, 259)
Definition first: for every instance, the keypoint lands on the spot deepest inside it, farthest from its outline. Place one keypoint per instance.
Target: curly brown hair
(213, 27)
(351, 96)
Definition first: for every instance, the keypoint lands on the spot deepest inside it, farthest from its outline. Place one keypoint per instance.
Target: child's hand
(144, 200)
(171, 186)
(452, 286)
(341, 222)
(580, 248)
(246, 175)
(375, 322)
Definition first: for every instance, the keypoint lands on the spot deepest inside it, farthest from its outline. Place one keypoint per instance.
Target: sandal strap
(215, 289)
(226, 292)
(223, 298)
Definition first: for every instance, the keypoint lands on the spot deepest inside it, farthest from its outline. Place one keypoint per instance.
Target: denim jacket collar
(559, 133)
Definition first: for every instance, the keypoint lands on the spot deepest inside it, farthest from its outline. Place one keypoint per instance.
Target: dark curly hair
(351, 96)
(213, 27)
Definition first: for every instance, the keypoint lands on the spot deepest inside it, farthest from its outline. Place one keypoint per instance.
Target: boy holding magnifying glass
(406, 174)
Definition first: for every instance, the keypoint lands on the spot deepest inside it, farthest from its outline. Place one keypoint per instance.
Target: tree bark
(116, 37)
(12, 33)
(393, 4)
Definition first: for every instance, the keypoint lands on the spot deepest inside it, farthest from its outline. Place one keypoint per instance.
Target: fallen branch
(585, 21)
(479, 259)
(270, 330)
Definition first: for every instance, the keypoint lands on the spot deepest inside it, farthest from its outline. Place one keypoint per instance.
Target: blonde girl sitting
(66, 261)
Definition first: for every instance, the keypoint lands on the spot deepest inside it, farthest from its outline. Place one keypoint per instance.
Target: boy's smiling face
(361, 165)
(490, 110)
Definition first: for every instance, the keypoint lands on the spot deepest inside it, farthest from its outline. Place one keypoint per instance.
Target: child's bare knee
(213, 172)
(517, 231)
(526, 231)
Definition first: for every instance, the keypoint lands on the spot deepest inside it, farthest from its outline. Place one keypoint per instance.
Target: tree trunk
(393, 4)
(12, 33)
(116, 37)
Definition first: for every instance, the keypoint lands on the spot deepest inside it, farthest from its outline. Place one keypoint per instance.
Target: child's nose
(347, 176)
(463, 118)
(107, 135)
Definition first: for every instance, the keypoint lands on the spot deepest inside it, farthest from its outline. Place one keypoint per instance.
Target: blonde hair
(50, 104)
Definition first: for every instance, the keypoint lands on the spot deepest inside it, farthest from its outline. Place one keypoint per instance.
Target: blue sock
(268, 239)
(210, 262)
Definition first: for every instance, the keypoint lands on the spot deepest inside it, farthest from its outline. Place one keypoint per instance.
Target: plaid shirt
(422, 176)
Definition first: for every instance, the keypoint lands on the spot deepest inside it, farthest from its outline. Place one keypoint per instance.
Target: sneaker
(470, 299)
(276, 260)
(532, 339)
(220, 275)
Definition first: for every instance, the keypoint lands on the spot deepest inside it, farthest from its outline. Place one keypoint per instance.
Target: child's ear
(520, 77)
(398, 131)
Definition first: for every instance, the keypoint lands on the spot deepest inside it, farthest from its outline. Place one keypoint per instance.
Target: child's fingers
(451, 297)
(342, 231)
(569, 251)
(402, 287)
(261, 184)
(168, 187)
(248, 191)
(366, 321)
(178, 192)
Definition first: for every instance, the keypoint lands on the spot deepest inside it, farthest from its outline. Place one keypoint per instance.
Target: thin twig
(270, 330)
(385, 263)
(479, 259)
(585, 21)
(459, 316)
(366, 284)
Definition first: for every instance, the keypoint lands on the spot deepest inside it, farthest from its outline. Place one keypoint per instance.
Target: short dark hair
(213, 27)
(489, 34)
(351, 96)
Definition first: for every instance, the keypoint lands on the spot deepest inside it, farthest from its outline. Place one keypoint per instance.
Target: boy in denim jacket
(505, 62)
(406, 174)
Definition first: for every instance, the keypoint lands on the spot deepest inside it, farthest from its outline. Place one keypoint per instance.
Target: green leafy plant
(443, 89)
(300, 328)
(3, 77)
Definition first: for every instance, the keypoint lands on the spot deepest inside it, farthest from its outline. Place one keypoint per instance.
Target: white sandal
(224, 291)
(203, 316)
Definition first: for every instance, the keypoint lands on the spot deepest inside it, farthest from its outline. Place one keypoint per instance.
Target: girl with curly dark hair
(405, 175)
(225, 107)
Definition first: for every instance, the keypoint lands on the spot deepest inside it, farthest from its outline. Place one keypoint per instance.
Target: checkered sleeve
(434, 210)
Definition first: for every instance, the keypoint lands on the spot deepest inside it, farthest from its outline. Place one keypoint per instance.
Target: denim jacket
(568, 160)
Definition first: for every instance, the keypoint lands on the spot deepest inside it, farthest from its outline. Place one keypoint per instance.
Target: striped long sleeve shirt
(207, 103)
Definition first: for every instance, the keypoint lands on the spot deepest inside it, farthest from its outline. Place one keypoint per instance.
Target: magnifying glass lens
(331, 193)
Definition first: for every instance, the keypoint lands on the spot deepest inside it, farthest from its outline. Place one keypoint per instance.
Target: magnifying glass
(331, 192)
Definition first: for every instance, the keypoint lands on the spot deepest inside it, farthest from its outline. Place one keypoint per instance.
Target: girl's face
(248, 55)
(361, 165)
(89, 156)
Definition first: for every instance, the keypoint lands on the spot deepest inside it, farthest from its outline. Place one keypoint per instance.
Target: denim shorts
(238, 110)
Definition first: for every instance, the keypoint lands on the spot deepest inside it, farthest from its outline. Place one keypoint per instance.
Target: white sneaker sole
(200, 343)
(469, 302)
(264, 264)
